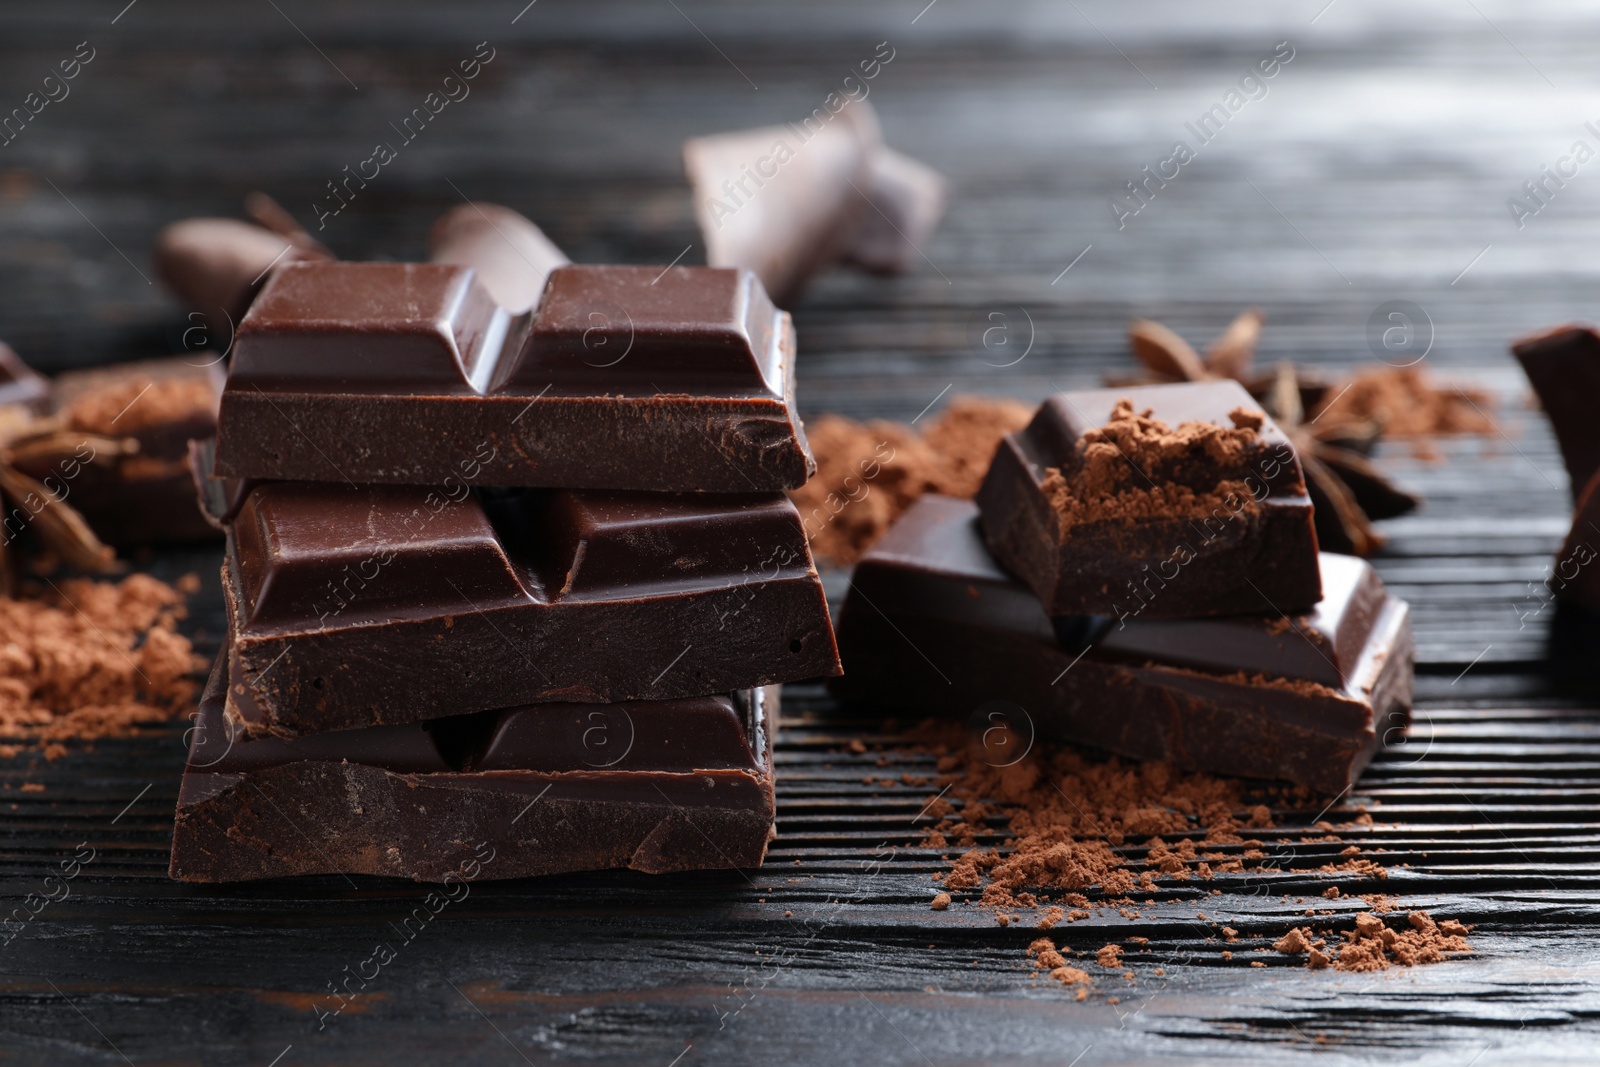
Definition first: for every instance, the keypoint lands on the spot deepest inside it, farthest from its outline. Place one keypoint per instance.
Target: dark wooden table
(1376, 167)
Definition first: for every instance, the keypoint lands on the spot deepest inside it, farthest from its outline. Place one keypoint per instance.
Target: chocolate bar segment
(655, 786)
(387, 604)
(626, 378)
(1164, 501)
(1563, 365)
(512, 256)
(933, 625)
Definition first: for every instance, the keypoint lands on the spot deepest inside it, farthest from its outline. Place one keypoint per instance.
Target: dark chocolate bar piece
(1575, 575)
(626, 377)
(654, 786)
(383, 604)
(1563, 365)
(933, 625)
(1199, 516)
(145, 496)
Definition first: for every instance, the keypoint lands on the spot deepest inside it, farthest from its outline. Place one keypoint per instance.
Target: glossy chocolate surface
(677, 379)
(1254, 550)
(656, 786)
(353, 607)
(933, 624)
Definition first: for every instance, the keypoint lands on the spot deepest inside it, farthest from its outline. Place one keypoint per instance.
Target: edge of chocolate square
(1563, 366)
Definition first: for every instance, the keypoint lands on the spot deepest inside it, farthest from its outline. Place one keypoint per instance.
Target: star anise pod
(26, 503)
(1347, 490)
(1167, 357)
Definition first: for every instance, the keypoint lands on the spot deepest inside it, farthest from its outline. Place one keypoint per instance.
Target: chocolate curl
(216, 266)
(784, 201)
(512, 257)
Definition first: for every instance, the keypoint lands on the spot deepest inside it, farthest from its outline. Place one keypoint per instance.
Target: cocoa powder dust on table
(868, 473)
(1407, 402)
(83, 659)
(1073, 824)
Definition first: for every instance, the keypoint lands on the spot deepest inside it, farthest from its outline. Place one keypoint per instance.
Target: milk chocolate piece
(1243, 541)
(933, 625)
(654, 786)
(385, 604)
(626, 378)
(512, 256)
(1563, 365)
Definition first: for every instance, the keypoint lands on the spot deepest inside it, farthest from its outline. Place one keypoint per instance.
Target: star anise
(26, 503)
(1346, 488)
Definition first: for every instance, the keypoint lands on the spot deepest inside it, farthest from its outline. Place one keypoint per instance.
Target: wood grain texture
(1376, 168)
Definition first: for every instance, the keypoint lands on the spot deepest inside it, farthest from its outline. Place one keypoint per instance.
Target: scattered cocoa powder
(84, 659)
(1137, 467)
(1109, 956)
(1052, 916)
(940, 902)
(1405, 401)
(868, 473)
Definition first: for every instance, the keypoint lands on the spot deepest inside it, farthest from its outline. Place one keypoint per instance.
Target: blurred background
(1377, 164)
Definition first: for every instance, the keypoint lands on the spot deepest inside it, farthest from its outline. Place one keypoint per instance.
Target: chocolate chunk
(215, 267)
(655, 786)
(1563, 365)
(933, 625)
(907, 200)
(144, 495)
(1575, 576)
(512, 256)
(784, 201)
(627, 378)
(384, 604)
(1200, 510)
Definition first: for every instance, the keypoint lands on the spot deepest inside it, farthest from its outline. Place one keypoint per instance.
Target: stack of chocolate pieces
(528, 580)
(1140, 573)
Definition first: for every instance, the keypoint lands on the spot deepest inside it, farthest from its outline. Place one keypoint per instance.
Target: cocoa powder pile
(1073, 823)
(868, 473)
(83, 659)
(1137, 467)
(1405, 401)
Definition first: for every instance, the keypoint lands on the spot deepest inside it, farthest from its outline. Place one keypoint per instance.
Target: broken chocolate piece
(384, 604)
(907, 201)
(784, 201)
(932, 624)
(1563, 365)
(627, 378)
(654, 786)
(1189, 501)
